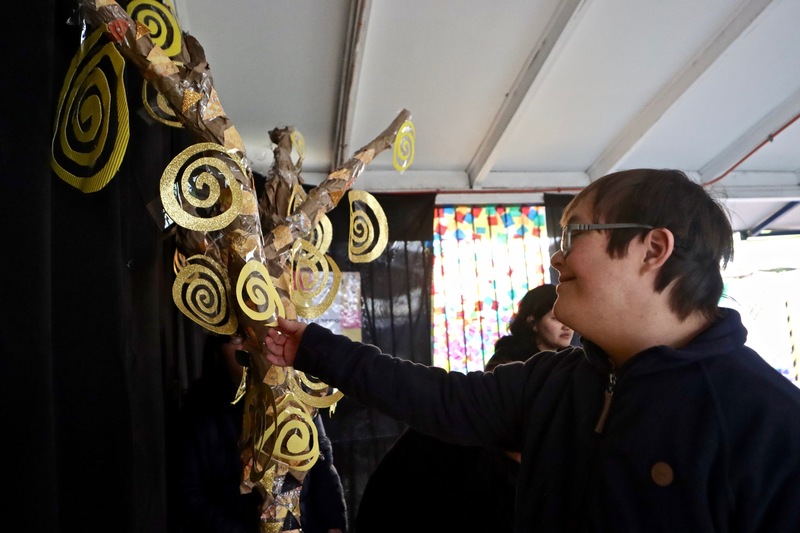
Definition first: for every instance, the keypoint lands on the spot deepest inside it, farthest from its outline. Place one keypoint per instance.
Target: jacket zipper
(609, 395)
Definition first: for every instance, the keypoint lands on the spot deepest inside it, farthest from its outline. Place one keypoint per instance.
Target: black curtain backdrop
(94, 351)
(396, 316)
(95, 357)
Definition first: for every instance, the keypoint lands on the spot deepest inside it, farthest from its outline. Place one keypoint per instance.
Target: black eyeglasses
(566, 233)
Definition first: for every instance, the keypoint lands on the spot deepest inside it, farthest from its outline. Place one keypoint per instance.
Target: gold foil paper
(141, 30)
(232, 140)
(190, 98)
(213, 107)
(282, 237)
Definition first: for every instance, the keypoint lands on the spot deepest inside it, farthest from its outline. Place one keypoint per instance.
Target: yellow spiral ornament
(318, 394)
(299, 146)
(256, 294)
(157, 106)
(316, 280)
(322, 235)
(403, 150)
(193, 184)
(159, 20)
(91, 131)
(295, 436)
(296, 199)
(201, 291)
(366, 241)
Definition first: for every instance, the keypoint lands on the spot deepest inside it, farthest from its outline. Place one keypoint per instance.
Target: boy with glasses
(663, 421)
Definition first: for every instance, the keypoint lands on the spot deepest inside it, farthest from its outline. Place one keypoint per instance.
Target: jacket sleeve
(473, 409)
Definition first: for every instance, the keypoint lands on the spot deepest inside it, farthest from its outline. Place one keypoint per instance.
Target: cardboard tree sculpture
(241, 260)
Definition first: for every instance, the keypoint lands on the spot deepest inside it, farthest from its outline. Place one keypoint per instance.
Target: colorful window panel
(485, 259)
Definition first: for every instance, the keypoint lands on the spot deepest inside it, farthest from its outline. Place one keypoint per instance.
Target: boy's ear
(659, 242)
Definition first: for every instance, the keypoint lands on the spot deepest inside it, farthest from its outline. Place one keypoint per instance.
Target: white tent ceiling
(513, 98)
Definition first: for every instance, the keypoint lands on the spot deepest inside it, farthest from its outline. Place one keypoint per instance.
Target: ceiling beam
(649, 116)
(737, 185)
(555, 34)
(761, 133)
(351, 74)
(756, 185)
(764, 224)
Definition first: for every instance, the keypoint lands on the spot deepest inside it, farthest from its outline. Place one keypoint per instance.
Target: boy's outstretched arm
(283, 340)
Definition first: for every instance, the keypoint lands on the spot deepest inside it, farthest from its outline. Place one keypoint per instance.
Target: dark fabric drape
(93, 348)
(396, 316)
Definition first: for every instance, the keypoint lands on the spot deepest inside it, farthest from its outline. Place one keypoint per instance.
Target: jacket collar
(725, 335)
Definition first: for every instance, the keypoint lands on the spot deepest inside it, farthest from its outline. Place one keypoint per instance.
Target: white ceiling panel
(521, 96)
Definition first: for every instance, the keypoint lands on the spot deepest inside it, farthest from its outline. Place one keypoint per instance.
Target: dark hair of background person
(521, 343)
(536, 303)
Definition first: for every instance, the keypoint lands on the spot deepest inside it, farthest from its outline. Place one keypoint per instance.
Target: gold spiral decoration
(178, 261)
(91, 130)
(366, 243)
(322, 235)
(318, 396)
(163, 26)
(256, 445)
(295, 435)
(158, 107)
(201, 291)
(296, 199)
(312, 272)
(299, 144)
(195, 203)
(256, 294)
(403, 150)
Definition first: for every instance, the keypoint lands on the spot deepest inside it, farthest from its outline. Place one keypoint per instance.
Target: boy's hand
(283, 340)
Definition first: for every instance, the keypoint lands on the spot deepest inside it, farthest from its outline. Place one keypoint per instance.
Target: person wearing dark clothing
(426, 485)
(211, 469)
(533, 329)
(322, 504)
(663, 421)
(474, 485)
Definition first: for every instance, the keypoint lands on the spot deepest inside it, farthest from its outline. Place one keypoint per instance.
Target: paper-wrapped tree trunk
(234, 266)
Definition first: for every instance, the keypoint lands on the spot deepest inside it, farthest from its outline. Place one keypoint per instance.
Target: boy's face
(596, 293)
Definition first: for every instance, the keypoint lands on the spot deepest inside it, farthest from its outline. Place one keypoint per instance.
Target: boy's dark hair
(667, 199)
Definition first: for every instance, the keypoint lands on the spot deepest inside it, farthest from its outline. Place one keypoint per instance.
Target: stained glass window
(485, 259)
